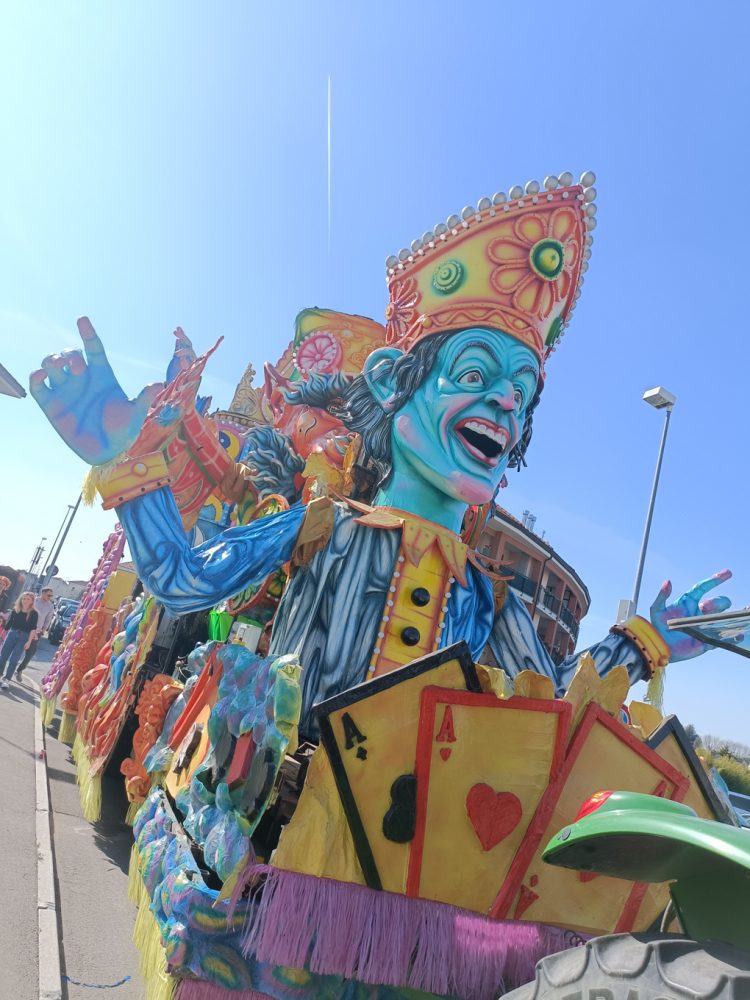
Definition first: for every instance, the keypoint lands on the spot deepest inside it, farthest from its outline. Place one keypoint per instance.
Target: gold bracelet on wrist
(133, 478)
(646, 639)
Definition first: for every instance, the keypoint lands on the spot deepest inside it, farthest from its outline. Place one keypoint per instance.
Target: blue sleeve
(187, 579)
(516, 646)
(611, 651)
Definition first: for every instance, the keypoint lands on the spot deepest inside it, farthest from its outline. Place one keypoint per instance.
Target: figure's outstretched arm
(516, 646)
(638, 644)
(189, 579)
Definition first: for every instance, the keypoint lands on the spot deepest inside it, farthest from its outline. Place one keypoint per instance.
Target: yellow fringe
(47, 709)
(655, 689)
(89, 785)
(159, 985)
(136, 888)
(99, 474)
(77, 748)
(132, 812)
(67, 732)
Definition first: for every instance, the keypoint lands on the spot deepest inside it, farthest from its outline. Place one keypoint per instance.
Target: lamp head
(660, 398)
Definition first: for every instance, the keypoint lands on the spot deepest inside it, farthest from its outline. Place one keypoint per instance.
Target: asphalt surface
(19, 973)
(95, 917)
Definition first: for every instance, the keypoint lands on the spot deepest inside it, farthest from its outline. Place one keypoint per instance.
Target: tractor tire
(641, 967)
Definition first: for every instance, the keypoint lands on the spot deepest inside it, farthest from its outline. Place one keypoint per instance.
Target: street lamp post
(661, 399)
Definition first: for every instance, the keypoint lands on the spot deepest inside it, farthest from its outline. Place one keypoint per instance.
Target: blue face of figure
(457, 431)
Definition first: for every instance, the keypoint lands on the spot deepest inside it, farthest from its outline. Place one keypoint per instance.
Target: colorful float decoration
(360, 810)
(54, 680)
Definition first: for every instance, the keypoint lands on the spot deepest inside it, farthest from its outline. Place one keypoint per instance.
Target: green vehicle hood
(644, 838)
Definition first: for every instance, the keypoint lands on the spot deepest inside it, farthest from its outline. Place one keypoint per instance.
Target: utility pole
(37, 555)
(62, 534)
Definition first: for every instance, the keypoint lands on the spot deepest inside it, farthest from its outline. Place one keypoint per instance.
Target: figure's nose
(502, 395)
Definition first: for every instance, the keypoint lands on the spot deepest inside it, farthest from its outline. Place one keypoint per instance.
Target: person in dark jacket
(21, 631)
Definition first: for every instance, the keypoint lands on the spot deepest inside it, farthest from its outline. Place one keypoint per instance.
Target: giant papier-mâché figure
(476, 307)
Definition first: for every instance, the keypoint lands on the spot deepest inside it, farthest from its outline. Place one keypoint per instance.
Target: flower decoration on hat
(536, 258)
(401, 311)
(514, 263)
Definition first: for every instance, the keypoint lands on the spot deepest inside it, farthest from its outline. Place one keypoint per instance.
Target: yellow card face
(603, 755)
(672, 743)
(671, 751)
(370, 735)
(483, 766)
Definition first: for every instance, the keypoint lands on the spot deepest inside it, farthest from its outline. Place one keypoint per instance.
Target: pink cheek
(406, 430)
(470, 489)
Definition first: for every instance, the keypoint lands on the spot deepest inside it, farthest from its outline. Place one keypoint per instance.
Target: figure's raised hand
(85, 403)
(693, 602)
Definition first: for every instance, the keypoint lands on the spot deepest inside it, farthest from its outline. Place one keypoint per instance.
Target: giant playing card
(602, 755)
(370, 735)
(483, 765)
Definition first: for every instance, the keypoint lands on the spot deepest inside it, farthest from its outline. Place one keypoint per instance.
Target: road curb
(50, 976)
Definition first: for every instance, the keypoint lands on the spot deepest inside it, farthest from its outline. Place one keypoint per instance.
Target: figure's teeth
(497, 435)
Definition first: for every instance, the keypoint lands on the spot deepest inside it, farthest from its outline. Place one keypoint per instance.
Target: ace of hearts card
(483, 766)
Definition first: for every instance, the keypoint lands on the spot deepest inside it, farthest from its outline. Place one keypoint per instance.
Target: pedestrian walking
(21, 629)
(45, 609)
(5, 586)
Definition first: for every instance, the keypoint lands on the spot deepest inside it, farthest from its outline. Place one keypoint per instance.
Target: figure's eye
(473, 377)
(518, 399)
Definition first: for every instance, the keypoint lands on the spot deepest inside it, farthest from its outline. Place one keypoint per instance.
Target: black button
(410, 636)
(420, 597)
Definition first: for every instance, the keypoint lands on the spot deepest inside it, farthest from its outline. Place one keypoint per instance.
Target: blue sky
(166, 164)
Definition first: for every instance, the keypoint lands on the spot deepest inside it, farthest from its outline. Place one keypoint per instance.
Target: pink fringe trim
(194, 989)
(337, 928)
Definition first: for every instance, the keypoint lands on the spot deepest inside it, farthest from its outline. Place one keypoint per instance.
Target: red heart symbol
(493, 814)
(445, 752)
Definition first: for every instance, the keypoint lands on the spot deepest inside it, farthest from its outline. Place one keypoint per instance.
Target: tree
(692, 734)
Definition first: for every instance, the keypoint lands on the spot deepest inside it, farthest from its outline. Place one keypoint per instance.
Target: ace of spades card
(370, 736)
(483, 765)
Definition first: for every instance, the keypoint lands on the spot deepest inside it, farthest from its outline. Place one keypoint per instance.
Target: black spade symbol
(400, 820)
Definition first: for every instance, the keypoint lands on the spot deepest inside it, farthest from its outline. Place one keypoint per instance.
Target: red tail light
(592, 804)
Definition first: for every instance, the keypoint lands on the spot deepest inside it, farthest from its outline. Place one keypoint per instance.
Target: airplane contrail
(329, 164)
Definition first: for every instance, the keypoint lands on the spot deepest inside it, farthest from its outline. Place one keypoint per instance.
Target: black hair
(318, 390)
(274, 461)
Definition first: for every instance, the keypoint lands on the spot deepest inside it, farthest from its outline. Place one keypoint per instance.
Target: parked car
(60, 620)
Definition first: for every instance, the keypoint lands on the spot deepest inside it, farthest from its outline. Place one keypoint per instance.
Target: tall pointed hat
(513, 263)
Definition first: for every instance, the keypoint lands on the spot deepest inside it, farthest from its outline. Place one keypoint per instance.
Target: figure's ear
(378, 373)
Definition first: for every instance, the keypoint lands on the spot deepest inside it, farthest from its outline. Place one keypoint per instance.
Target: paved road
(96, 918)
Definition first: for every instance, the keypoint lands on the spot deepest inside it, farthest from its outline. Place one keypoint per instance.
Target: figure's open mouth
(483, 439)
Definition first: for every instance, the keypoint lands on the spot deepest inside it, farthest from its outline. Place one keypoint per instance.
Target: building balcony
(522, 583)
(568, 619)
(550, 602)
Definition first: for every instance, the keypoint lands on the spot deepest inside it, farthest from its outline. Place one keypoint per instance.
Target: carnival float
(337, 792)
